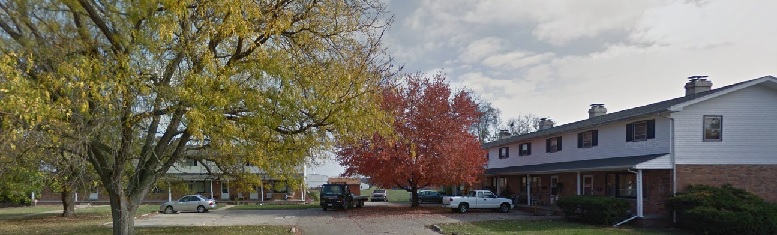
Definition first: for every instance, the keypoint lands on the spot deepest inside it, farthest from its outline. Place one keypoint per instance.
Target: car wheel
(420, 201)
(463, 207)
(345, 206)
(169, 210)
(504, 208)
(200, 209)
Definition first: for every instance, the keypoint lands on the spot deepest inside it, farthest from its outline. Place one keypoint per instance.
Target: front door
(554, 190)
(588, 185)
(224, 191)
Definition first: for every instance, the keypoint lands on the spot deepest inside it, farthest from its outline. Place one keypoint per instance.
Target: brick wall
(758, 179)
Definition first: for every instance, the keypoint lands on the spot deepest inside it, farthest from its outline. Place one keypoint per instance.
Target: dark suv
(379, 195)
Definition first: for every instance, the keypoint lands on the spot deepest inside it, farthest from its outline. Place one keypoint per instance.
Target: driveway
(374, 218)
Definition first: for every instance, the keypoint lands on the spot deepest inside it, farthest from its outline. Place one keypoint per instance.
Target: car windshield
(379, 191)
(331, 189)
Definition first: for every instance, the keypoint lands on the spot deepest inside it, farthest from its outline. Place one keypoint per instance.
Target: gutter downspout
(674, 165)
(639, 198)
(578, 183)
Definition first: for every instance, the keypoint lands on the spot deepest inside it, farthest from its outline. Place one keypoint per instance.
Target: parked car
(379, 195)
(430, 196)
(478, 199)
(196, 203)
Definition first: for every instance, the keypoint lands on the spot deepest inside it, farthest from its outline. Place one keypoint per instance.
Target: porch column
(261, 189)
(578, 183)
(639, 194)
(211, 189)
(528, 189)
(169, 194)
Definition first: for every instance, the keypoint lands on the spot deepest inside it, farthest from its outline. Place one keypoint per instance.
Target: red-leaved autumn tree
(431, 144)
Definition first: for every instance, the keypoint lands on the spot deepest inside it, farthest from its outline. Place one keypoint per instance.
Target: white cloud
(525, 56)
(516, 59)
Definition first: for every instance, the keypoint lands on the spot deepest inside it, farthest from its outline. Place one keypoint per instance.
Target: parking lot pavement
(374, 218)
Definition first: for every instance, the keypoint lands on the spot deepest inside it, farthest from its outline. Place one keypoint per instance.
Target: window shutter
(594, 137)
(580, 140)
(520, 150)
(488, 154)
(528, 149)
(547, 145)
(630, 132)
(558, 142)
(507, 152)
(651, 129)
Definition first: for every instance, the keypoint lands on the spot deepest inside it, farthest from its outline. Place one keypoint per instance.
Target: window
(641, 131)
(189, 162)
(504, 152)
(197, 187)
(622, 185)
(524, 149)
(713, 128)
(553, 145)
(588, 139)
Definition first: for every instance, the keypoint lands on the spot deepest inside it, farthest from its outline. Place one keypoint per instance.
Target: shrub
(708, 209)
(599, 210)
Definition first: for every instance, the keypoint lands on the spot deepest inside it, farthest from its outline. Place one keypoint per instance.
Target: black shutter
(630, 132)
(580, 140)
(547, 145)
(559, 143)
(594, 137)
(651, 129)
(528, 149)
(507, 152)
(488, 155)
(520, 150)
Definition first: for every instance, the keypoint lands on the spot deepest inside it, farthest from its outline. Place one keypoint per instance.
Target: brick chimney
(545, 123)
(697, 84)
(504, 134)
(596, 110)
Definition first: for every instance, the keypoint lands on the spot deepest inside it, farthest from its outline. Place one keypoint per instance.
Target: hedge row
(711, 210)
(599, 210)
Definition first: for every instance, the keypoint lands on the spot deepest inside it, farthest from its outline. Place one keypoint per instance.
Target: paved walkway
(374, 218)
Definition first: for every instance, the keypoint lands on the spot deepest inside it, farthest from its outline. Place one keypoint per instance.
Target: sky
(553, 58)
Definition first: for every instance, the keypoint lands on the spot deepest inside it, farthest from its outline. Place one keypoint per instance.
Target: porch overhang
(650, 161)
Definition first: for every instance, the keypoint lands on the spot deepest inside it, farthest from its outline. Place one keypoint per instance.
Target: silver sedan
(196, 203)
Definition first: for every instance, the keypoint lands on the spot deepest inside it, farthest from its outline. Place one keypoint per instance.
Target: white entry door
(224, 191)
(254, 194)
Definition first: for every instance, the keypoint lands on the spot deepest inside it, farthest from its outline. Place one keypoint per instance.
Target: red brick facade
(657, 188)
(758, 179)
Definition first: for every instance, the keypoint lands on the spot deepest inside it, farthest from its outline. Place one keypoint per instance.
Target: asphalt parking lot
(374, 218)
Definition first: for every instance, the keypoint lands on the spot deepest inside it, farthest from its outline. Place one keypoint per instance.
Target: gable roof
(649, 109)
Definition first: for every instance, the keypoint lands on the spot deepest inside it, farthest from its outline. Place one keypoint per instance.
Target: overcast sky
(555, 58)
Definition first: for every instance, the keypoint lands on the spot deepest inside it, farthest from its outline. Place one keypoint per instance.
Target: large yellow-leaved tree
(132, 86)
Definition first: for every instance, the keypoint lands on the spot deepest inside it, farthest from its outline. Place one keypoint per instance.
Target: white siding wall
(749, 129)
(612, 143)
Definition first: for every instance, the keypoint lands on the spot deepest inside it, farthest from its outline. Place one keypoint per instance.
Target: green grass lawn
(275, 207)
(30, 220)
(394, 195)
(540, 227)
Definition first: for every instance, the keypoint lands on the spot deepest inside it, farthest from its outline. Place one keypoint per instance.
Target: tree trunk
(122, 212)
(68, 202)
(414, 196)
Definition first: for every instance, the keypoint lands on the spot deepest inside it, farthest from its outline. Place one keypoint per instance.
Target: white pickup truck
(477, 199)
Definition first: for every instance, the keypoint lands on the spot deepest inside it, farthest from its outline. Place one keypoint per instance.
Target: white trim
(640, 198)
(679, 107)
